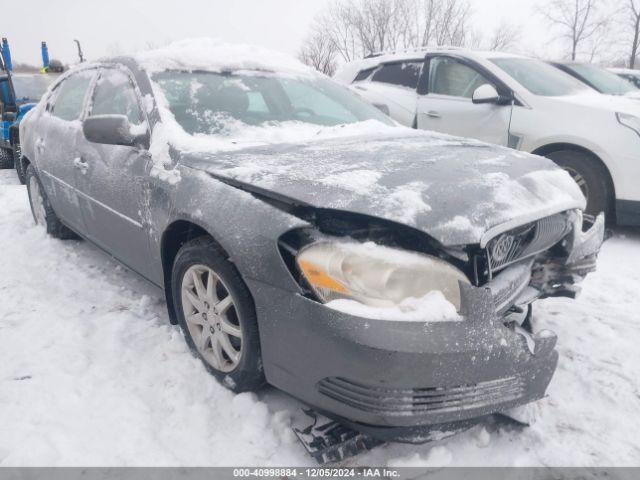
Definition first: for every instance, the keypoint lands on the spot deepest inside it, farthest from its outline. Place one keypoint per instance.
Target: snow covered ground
(91, 372)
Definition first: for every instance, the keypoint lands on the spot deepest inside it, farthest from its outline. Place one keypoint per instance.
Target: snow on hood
(451, 188)
(216, 56)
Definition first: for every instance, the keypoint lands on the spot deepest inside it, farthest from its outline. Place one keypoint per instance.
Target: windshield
(539, 77)
(216, 103)
(603, 81)
(31, 87)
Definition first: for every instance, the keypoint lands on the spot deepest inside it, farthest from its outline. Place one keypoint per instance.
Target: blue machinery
(12, 108)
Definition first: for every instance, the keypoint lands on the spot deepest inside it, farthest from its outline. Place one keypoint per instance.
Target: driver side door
(447, 106)
(114, 179)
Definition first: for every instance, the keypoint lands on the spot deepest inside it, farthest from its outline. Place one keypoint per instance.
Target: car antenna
(79, 50)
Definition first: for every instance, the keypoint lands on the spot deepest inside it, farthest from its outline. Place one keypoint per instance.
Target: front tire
(217, 315)
(6, 158)
(41, 209)
(591, 177)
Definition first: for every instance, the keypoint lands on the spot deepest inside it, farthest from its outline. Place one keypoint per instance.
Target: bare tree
(578, 21)
(631, 16)
(319, 52)
(350, 29)
(503, 37)
(451, 22)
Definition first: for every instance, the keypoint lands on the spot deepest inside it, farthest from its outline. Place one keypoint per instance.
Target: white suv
(518, 102)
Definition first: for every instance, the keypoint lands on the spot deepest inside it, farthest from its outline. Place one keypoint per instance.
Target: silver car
(382, 275)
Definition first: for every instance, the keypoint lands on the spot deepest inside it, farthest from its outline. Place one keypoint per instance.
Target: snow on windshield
(213, 96)
(211, 103)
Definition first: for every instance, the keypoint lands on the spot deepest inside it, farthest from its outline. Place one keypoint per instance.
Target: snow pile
(212, 55)
(516, 197)
(461, 223)
(358, 181)
(433, 307)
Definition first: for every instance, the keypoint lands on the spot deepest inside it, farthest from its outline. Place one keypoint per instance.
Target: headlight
(629, 121)
(375, 275)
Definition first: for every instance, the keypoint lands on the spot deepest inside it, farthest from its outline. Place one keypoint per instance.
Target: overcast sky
(120, 26)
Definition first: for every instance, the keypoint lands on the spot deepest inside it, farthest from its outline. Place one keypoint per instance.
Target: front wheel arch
(546, 150)
(175, 235)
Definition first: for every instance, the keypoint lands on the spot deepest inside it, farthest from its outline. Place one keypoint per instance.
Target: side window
(115, 95)
(404, 74)
(364, 74)
(448, 76)
(633, 79)
(69, 100)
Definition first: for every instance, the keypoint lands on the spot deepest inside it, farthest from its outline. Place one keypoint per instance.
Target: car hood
(453, 189)
(612, 103)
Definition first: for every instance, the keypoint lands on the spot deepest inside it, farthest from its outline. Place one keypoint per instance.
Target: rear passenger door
(114, 180)
(447, 106)
(56, 146)
(392, 88)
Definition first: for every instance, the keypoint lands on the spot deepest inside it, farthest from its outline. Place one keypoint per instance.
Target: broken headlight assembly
(376, 275)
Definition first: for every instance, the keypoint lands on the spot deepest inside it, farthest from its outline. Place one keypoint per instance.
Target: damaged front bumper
(417, 382)
(559, 275)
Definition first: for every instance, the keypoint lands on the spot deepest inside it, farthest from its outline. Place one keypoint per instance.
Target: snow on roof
(214, 55)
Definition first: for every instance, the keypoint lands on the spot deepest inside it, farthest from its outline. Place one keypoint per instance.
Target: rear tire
(590, 175)
(222, 327)
(17, 161)
(41, 209)
(6, 158)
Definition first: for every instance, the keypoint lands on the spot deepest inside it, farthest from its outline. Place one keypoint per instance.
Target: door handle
(81, 164)
(433, 114)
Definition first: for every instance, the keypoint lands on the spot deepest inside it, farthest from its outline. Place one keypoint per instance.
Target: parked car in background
(304, 239)
(599, 79)
(628, 74)
(519, 102)
(18, 95)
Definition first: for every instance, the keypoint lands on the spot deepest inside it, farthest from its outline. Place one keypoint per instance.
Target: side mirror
(115, 130)
(486, 94)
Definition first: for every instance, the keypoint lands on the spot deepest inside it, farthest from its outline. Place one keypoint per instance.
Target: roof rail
(413, 49)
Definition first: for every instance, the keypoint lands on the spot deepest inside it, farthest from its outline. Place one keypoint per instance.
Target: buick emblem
(501, 247)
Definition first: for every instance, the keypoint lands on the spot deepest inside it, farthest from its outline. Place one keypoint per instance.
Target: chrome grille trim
(528, 240)
(418, 401)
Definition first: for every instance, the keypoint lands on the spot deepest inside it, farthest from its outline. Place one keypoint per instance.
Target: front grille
(523, 242)
(416, 401)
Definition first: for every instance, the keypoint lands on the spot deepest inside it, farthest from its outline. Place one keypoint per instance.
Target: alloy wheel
(580, 180)
(211, 318)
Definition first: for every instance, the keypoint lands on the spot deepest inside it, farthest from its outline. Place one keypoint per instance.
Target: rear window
(404, 74)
